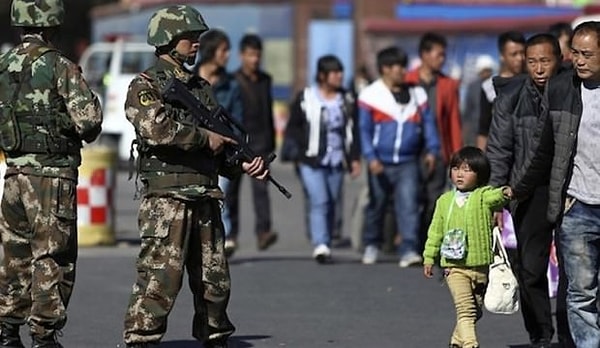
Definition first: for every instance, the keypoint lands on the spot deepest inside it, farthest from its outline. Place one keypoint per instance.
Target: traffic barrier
(95, 207)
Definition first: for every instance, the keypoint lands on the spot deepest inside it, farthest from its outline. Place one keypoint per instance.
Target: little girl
(460, 238)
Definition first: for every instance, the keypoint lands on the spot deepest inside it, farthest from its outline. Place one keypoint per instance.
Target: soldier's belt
(180, 179)
(152, 165)
(58, 146)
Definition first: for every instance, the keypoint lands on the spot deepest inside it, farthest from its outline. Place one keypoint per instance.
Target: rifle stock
(220, 122)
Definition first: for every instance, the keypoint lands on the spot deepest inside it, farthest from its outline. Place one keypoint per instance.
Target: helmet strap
(183, 60)
(46, 34)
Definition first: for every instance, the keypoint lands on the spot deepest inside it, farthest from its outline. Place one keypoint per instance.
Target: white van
(586, 18)
(109, 67)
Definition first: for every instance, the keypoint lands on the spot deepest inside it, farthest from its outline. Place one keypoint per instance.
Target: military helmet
(37, 13)
(169, 22)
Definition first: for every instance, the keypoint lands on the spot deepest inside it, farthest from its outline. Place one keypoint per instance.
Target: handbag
(502, 292)
(290, 151)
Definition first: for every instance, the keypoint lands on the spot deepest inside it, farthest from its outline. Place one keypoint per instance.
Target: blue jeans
(225, 213)
(323, 186)
(402, 183)
(580, 246)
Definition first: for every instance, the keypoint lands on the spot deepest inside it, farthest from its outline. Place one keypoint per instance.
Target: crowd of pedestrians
(532, 147)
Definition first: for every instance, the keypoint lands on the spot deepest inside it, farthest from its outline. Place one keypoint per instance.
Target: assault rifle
(219, 121)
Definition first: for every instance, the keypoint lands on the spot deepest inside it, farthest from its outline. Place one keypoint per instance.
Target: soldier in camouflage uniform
(179, 218)
(46, 111)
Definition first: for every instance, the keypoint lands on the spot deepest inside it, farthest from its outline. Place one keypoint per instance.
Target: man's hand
(376, 167)
(508, 192)
(428, 271)
(430, 164)
(498, 220)
(256, 168)
(355, 169)
(216, 142)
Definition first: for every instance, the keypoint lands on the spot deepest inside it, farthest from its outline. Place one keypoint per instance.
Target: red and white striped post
(95, 207)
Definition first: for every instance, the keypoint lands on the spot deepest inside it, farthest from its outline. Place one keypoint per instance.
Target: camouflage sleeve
(145, 110)
(82, 104)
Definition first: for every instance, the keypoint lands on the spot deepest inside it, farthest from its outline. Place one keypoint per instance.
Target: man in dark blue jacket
(396, 126)
(212, 63)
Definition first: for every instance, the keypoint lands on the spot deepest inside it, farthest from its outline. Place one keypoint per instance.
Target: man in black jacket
(257, 118)
(516, 112)
(568, 144)
(511, 46)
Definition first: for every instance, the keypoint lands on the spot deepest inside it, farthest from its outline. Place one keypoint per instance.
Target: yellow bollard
(95, 208)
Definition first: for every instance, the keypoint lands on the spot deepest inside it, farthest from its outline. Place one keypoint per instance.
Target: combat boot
(215, 344)
(48, 341)
(9, 336)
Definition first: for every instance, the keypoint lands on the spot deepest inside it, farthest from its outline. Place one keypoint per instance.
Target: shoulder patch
(146, 97)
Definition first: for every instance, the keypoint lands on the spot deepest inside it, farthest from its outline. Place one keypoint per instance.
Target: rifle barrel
(280, 187)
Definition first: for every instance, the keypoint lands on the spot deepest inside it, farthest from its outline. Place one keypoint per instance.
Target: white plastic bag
(509, 238)
(502, 293)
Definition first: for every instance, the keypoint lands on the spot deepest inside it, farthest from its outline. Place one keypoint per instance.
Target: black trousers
(562, 324)
(434, 186)
(262, 205)
(534, 237)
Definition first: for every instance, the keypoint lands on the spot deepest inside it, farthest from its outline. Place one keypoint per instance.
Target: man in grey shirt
(568, 145)
(585, 180)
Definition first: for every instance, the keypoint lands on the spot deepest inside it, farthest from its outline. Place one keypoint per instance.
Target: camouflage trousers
(174, 234)
(38, 227)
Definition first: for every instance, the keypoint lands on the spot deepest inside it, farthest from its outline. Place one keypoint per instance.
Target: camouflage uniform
(179, 217)
(47, 110)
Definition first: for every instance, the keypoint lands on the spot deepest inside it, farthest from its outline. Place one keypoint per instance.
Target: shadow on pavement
(251, 259)
(337, 259)
(234, 342)
(554, 345)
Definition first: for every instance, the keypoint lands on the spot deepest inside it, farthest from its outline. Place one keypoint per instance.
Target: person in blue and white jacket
(322, 136)
(396, 127)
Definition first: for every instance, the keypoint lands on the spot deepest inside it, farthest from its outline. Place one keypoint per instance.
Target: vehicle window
(97, 67)
(136, 62)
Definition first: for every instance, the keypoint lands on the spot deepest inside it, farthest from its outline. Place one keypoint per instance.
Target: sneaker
(230, 247)
(409, 259)
(322, 253)
(217, 344)
(541, 343)
(370, 255)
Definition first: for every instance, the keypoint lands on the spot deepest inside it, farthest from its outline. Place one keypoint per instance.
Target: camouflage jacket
(57, 94)
(168, 135)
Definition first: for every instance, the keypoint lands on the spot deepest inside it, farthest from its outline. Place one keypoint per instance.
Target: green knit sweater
(474, 217)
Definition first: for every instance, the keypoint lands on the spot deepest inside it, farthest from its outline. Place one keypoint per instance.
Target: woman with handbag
(460, 239)
(322, 138)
